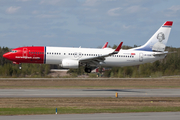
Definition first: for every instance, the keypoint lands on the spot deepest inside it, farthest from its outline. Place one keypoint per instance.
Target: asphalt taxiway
(101, 116)
(9, 93)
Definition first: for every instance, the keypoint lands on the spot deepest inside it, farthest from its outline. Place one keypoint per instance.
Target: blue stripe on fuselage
(44, 54)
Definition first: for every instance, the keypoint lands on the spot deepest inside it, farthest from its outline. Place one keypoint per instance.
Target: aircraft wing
(97, 59)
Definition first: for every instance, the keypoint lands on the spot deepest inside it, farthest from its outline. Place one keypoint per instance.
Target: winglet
(118, 48)
(105, 45)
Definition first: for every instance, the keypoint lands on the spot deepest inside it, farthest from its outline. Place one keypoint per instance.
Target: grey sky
(86, 23)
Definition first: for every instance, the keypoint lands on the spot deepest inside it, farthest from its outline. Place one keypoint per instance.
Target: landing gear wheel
(88, 70)
(20, 66)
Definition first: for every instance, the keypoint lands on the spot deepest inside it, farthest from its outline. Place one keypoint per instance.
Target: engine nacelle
(70, 63)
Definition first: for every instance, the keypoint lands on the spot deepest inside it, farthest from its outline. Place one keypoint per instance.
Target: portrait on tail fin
(159, 46)
(157, 43)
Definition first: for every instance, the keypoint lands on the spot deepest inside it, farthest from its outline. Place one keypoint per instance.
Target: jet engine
(70, 63)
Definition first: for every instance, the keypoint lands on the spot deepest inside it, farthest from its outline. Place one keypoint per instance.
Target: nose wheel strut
(20, 66)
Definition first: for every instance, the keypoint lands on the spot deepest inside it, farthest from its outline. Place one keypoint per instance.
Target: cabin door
(140, 57)
(25, 52)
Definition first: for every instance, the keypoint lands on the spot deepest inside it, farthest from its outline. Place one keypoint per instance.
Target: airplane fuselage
(55, 55)
(91, 58)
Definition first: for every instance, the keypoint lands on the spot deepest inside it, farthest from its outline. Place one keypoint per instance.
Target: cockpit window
(13, 51)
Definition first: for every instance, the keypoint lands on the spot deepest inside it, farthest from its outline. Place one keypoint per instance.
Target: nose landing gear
(20, 66)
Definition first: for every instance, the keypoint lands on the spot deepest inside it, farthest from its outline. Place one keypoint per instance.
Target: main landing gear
(88, 70)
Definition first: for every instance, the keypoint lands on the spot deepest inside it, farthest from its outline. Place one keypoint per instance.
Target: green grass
(75, 110)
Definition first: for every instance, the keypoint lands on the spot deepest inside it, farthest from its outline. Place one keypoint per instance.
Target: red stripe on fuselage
(26, 55)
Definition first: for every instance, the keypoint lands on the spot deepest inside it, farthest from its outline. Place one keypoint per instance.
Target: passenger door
(140, 57)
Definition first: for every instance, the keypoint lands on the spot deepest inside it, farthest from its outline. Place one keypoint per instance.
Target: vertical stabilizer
(158, 41)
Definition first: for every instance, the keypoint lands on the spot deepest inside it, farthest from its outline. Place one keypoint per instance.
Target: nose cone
(6, 55)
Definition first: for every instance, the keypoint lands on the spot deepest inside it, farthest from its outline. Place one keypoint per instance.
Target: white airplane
(91, 58)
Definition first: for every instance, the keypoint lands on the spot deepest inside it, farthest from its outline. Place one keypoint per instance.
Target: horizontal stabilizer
(162, 53)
